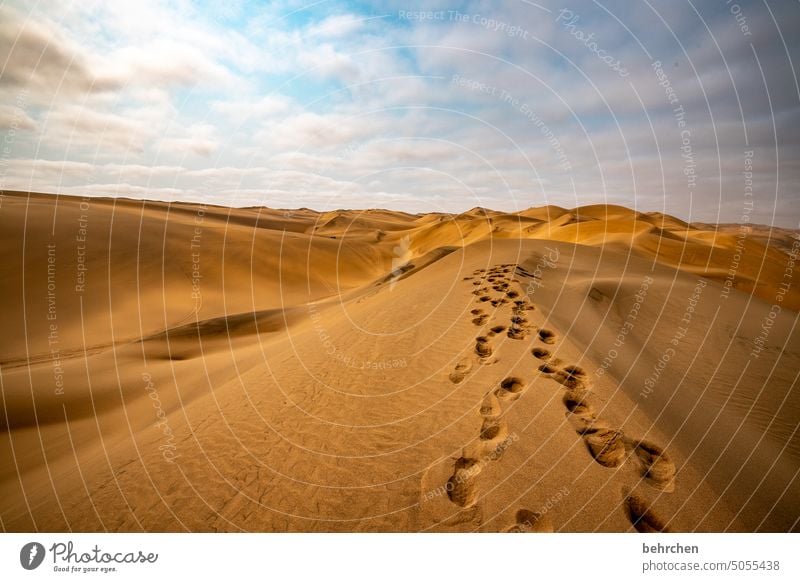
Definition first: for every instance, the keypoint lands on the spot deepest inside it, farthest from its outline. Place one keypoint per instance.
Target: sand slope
(216, 369)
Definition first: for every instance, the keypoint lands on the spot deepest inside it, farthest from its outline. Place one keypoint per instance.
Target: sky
(688, 108)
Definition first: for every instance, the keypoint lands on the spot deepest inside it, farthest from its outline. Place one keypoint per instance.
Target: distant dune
(179, 367)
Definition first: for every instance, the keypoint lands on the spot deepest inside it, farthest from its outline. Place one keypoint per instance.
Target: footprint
(595, 294)
(481, 319)
(547, 369)
(462, 487)
(528, 521)
(460, 371)
(586, 423)
(541, 353)
(571, 376)
(657, 467)
(482, 347)
(435, 511)
(493, 429)
(490, 407)
(512, 294)
(643, 518)
(476, 311)
(607, 446)
(476, 282)
(519, 320)
(547, 336)
(575, 371)
(577, 403)
(499, 328)
(484, 298)
(512, 385)
(517, 333)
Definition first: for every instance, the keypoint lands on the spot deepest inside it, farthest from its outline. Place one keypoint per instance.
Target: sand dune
(171, 367)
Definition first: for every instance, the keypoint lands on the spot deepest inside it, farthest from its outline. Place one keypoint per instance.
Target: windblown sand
(180, 367)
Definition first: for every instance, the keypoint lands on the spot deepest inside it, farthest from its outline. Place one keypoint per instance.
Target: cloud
(15, 117)
(326, 61)
(140, 171)
(166, 62)
(84, 127)
(253, 109)
(49, 168)
(39, 174)
(200, 139)
(36, 55)
(336, 26)
(314, 131)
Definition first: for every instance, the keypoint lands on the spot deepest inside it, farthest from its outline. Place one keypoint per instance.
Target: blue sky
(419, 106)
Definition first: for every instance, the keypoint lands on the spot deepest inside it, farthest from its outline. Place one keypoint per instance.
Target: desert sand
(179, 367)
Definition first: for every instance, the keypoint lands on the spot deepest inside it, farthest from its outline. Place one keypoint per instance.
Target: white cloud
(84, 127)
(40, 57)
(140, 171)
(14, 117)
(326, 61)
(187, 145)
(254, 109)
(165, 62)
(48, 168)
(313, 131)
(336, 26)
